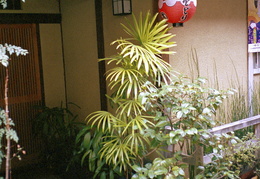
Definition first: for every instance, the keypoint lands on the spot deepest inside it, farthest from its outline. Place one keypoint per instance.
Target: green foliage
(88, 154)
(57, 129)
(139, 57)
(256, 99)
(169, 168)
(155, 109)
(244, 156)
(138, 60)
(237, 107)
(236, 159)
(11, 134)
(219, 167)
(188, 109)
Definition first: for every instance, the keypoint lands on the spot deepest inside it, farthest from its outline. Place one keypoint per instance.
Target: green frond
(130, 106)
(122, 74)
(134, 141)
(103, 120)
(117, 153)
(116, 58)
(146, 59)
(146, 30)
(138, 124)
(128, 87)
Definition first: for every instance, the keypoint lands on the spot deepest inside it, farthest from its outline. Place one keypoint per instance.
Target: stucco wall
(80, 47)
(112, 24)
(218, 33)
(80, 52)
(113, 29)
(52, 64)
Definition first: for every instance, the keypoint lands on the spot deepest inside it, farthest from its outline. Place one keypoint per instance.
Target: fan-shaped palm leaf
(138, 123)
(127, 87)
(103, 120)
(136, 141)
(150, 33)
(121, 74)
(147, 43)
(117, 153)
(129, 107)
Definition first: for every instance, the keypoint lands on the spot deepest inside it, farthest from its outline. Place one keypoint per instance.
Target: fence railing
(199, 157)
(231, 127)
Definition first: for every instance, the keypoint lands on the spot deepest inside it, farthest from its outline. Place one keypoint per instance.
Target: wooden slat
(198, 158)
(236, 125)
(28, 18)
(25, 91)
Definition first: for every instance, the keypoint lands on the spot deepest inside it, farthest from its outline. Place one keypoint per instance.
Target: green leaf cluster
(157, 113)
(184, 111)
(140, 56)
(89, 144)
(169, 168)
(139, 59)
(4, 132)
(57, 128)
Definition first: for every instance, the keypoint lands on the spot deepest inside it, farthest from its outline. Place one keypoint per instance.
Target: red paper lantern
(177, 11)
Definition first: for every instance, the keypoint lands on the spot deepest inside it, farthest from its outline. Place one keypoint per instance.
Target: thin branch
(8, 145)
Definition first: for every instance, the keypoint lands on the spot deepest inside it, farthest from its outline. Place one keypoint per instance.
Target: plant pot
(248, 174)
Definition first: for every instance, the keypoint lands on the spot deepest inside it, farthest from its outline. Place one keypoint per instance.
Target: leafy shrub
(57, 128)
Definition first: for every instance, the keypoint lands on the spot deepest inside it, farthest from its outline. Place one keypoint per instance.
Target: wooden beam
(29, 18)
(101, 54)
(236, 125)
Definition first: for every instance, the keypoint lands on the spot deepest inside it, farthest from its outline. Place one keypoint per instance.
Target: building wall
(80, 48)
(51, 50)
(112, 24)
(37, 6)
(52, 63)
(80, 54)
(113, 29)
(218, 34)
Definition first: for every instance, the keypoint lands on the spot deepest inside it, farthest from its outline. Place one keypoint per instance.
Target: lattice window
(25, 90)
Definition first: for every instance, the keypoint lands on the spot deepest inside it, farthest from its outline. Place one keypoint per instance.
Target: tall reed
(237, 106)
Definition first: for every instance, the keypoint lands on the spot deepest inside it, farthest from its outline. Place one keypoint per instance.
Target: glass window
(12, 5)
(256, 62)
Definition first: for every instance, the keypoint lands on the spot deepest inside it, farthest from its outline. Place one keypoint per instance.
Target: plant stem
(7, 125)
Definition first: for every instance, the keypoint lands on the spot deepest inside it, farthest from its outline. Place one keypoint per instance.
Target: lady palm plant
(139, 59)
(140, 56)
(123, 140)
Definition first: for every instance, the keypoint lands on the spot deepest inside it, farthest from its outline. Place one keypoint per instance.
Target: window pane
(255, 55)
(257, 63)
(12, 4)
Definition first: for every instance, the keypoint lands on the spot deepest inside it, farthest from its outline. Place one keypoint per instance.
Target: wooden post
(257, 135)
(257, 131)
(198, 156)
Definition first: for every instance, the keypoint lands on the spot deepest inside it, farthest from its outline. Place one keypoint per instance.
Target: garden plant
(57, 128)
(7, 133)
(160, 119)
